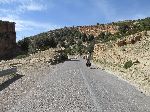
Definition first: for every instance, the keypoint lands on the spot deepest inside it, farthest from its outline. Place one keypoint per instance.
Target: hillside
(128, 60)
(81, 39)
(69, 37)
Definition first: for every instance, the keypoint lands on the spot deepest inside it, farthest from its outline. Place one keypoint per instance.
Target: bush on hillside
(21, 56)
(24, 44)
(128, 64)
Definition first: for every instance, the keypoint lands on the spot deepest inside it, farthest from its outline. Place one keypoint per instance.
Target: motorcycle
(88, 63)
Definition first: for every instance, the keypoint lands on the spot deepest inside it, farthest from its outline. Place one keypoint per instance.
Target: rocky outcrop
(97, 29)
(112, 56)
(132, 39)
(7, 39)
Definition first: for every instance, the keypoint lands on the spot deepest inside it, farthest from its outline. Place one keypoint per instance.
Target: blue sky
(36, 16)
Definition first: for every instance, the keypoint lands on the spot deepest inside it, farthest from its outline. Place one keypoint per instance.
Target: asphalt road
(72, 87)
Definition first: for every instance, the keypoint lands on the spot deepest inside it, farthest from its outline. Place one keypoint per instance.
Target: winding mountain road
(72, 87)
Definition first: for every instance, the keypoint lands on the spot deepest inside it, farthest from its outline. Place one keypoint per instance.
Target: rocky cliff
(7, 38)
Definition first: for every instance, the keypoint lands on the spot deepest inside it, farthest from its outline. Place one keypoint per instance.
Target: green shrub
(24, 44)
(64, 56)
(90, 47)
(128, 64)
(21, 56)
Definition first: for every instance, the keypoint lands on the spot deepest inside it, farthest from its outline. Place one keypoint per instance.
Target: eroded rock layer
(7, 38)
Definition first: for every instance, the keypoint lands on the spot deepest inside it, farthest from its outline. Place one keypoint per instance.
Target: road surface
(72, 87)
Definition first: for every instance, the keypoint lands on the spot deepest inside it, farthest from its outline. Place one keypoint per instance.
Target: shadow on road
(72, 60)
(94, 68)
(10, 81)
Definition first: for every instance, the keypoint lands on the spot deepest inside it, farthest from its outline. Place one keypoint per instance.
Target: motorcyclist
(88, 57)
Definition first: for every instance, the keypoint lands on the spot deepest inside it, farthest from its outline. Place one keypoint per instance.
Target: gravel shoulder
(15, 91)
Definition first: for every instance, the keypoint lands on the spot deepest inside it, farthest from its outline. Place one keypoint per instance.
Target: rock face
(113, 56)
(132, 39)
(7, 38)
(97, 29)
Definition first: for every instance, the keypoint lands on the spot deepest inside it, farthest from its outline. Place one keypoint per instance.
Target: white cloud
(3, 11)
(26, 25)
(32, 25)
(26, 5)
(139, 16)
(13, 14)
(33, 6)
(6, 1)
(26, 28)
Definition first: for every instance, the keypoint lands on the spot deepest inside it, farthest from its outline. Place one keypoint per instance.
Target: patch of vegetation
(126, 28)
(128, 64)
(69, 38)
(21, 56)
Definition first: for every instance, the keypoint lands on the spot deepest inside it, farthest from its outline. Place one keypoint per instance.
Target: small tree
(90, 47)
(97, 24)
(90, 38)
(24, 44)
(84, 37)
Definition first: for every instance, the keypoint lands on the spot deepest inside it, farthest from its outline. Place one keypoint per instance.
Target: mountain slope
(77, 39)
(129, 61)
